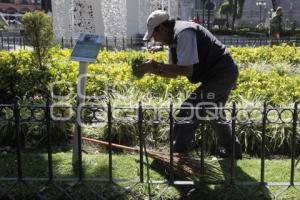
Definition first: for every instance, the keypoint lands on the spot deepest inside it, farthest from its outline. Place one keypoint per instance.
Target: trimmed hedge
(269, 74)
(266, 74)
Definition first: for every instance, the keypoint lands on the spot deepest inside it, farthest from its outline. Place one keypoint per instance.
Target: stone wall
(111, 18)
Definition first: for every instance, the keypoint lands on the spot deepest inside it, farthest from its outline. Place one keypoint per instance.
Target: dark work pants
(213, 93)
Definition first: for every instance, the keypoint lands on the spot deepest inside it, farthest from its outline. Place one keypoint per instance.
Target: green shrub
(266, 74)
(20, 77)
(271, 74)
(38, 32)
(284, 54)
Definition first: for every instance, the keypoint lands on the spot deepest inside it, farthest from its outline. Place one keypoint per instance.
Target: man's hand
(136, 70)
(161, 69)
(139, 70)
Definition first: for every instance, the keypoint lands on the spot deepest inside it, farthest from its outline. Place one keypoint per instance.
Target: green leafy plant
(136, 62)
(38, 32)
(270, 74)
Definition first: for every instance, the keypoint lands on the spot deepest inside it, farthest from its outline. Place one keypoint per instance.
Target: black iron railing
(114, 43)
(111, 43)
(106, 114)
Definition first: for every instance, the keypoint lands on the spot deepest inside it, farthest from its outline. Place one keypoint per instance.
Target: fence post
(140, 126)
(202, 126)
(171, 181)
(131, 45)
(18, 134)
(49, 140)
(14, 42)
(263, 144)
(123, 43)
(78, 127)
(23, 41)
(8, 47)
(106, 42)
(115, 40)
(71, 42)
(202, 148)
(109, 116)
(233, 139)
(2, 45)
(259, 39)
(62, 42)
(295, 120)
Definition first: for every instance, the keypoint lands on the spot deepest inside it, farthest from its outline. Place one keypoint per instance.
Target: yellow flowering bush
(267, 73)
(270, 74)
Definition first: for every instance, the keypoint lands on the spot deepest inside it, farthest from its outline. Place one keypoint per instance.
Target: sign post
(85, 52)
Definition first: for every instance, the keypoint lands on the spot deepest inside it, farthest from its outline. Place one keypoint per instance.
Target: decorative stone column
(111, 18)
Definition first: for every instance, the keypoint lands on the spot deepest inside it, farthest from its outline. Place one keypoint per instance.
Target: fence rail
(114, 43)
(44, 114)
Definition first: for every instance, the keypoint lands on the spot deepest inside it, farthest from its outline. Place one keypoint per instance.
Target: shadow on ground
(35, 165)
(222, 191)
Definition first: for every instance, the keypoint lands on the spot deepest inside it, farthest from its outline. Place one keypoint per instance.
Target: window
(35, 1)
(6, 1)
(24, 1)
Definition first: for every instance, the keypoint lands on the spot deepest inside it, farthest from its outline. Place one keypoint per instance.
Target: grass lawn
(126, 166)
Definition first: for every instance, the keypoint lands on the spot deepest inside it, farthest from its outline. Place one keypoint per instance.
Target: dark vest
(210, 51)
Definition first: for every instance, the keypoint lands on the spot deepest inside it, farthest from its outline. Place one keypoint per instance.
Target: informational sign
(86, 48)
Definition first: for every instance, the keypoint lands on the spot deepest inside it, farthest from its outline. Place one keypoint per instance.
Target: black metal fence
(11, 113)
(114, 43)
(111, 43)
(12, 43)
(256, 42)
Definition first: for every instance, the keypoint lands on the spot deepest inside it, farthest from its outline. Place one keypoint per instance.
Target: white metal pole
(81, 83)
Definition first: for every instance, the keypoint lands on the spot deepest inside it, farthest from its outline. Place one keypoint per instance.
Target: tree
(46, 5)
(226, 9)
(234, 13)
(38, 32)
(238, 7)
(274, 4)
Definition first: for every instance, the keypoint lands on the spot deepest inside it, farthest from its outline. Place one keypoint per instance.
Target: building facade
(19, 6)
